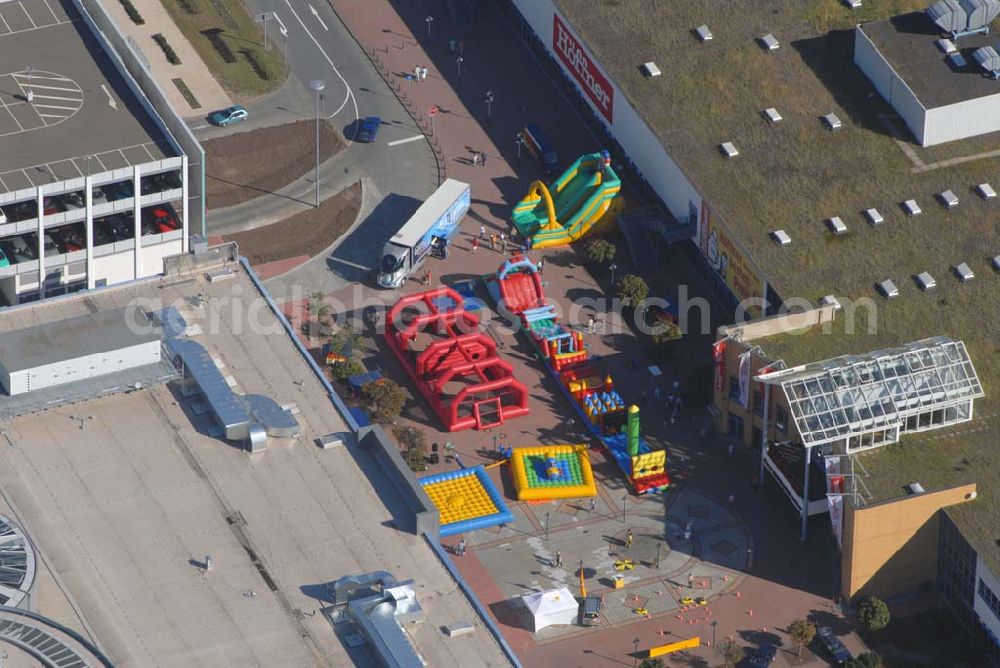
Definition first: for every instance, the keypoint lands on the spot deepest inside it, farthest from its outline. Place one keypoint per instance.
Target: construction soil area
(304, 234)
(246, 165)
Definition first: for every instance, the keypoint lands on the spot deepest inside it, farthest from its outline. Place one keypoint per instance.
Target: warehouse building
(936, 84)
(99, 179)
(800, 185)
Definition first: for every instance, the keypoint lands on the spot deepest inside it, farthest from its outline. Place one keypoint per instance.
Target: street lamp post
(612, 267)
(409, 78)
(489, 106)
(317, 86)
(714, 624)
(546, 525)
(30, 94)
(429, 20)
(624, 500)
(635, 652)
(657, 555)
(458, 66)
(519, 141)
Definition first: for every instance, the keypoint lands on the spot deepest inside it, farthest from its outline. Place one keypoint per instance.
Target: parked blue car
(224, 117)
(368, 129)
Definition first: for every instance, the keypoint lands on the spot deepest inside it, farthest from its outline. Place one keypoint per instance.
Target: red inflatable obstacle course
(453, 364)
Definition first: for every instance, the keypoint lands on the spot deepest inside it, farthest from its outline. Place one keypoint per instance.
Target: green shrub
(632, 289)
(132, 12)
(873, 614)
(168, 50)
(383, 400)
(259, 64)
(345, 370)
(599, 251)
(413, 441)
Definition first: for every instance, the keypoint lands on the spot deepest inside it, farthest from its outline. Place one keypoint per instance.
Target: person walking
(558, 558)
(593, 505)
(423, 74)
(461, 547)
(690, 580)
(541, 265)
(475, 159)
(493, 242)
(590, 325)
(482, 231)
(482, 158)
(427, 277)
(503, 243)
(628, 539)
(416, 73)
(475, 245)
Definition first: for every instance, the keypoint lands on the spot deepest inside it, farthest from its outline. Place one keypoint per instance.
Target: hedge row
(168, 50)
(260, 66)
(132, 12)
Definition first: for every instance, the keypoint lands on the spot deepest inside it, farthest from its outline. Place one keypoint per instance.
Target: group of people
(479, 158)
(496, 241)
(419, 73)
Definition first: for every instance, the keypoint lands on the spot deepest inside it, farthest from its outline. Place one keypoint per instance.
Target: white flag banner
(836, 515)
(745, 379)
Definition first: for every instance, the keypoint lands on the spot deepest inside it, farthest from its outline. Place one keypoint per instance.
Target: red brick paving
(278, 267)
(495, 60)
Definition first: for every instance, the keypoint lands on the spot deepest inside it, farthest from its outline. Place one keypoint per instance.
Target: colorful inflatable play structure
(454, 365)
(548, 472)
(560, 214)
(467, 500)
(517, 289)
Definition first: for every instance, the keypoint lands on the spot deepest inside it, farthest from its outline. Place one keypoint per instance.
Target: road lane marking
(316, 15)
(405, 141)
(350, 94)
(111, 100)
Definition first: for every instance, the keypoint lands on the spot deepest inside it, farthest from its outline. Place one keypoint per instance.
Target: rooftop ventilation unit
(926, 281)
(703, 33)
(964, 272)
(772, 115)
(947, 46)
(988, 59)
(912, 208)
(781, 237)
(830, 300)
(729, 149)
(836, 225)
(948, 199)
(964, 17)
(832, 121)
(888, 289)
(915, 488)
(769, 43)
(874, 217)
(957, 61)
(986, 191)
(650, 69)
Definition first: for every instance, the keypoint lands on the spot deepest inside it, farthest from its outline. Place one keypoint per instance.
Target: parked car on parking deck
(17, 249)
(4, 262)
(368, 129)
(159, 219)
(232, 114)
(69, 239)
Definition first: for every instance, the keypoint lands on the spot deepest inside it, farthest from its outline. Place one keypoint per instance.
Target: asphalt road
(318, 47)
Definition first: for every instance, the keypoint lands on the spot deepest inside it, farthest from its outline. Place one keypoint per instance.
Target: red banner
(587, 74)
(719, 358)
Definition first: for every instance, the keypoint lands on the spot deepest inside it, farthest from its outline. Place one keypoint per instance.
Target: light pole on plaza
(429, 20)
(317, 86)
(489, 106)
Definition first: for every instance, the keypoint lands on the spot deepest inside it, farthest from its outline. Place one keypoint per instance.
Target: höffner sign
(584, 70)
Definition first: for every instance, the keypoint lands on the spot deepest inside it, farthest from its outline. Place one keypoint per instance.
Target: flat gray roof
(88, 334)
(127, 494)
(908, 41)
(83, 118)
